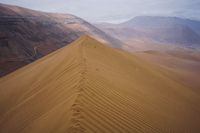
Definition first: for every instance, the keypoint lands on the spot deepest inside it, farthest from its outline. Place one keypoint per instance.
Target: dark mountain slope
(27, 35)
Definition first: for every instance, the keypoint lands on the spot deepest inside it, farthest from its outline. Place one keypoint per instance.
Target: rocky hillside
(27, 35)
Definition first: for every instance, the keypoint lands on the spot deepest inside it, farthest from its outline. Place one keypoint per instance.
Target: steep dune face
(27, 35)
(89, 87)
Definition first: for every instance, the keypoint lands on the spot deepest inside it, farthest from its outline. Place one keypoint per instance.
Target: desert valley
(62, 74)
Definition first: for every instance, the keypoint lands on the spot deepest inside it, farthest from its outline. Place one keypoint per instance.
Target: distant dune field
(89, 87)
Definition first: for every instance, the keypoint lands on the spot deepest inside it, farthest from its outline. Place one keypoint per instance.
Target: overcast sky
(114, 10)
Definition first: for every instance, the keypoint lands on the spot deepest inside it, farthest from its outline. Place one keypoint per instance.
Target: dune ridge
(89, 87)
(27, 35)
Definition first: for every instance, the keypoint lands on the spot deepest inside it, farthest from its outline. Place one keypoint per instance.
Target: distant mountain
(121, 32)
(161, 29)
(27, 35)
(156, 21)
(178, 34)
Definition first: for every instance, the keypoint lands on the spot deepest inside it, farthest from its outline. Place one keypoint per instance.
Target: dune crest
(89, 87)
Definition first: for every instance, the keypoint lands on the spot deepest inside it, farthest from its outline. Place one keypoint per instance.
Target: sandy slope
(186, 63)
(89, 87)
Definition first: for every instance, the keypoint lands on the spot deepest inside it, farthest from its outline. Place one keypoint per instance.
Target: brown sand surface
(185, 63)
(89, 87)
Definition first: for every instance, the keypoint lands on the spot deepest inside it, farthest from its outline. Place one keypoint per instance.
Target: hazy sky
(114, 10)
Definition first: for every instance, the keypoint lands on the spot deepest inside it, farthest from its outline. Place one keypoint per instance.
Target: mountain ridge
(155, 21)
(27, 35)
(168, 30)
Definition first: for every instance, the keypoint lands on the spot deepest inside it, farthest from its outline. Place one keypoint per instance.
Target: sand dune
(89, 87)
(185, 63)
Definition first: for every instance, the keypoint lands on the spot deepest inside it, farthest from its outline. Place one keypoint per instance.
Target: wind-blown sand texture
(89, 87)
(186, 63)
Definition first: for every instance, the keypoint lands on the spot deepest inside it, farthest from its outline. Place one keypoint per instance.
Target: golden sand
(89, 87)
(185, 63)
